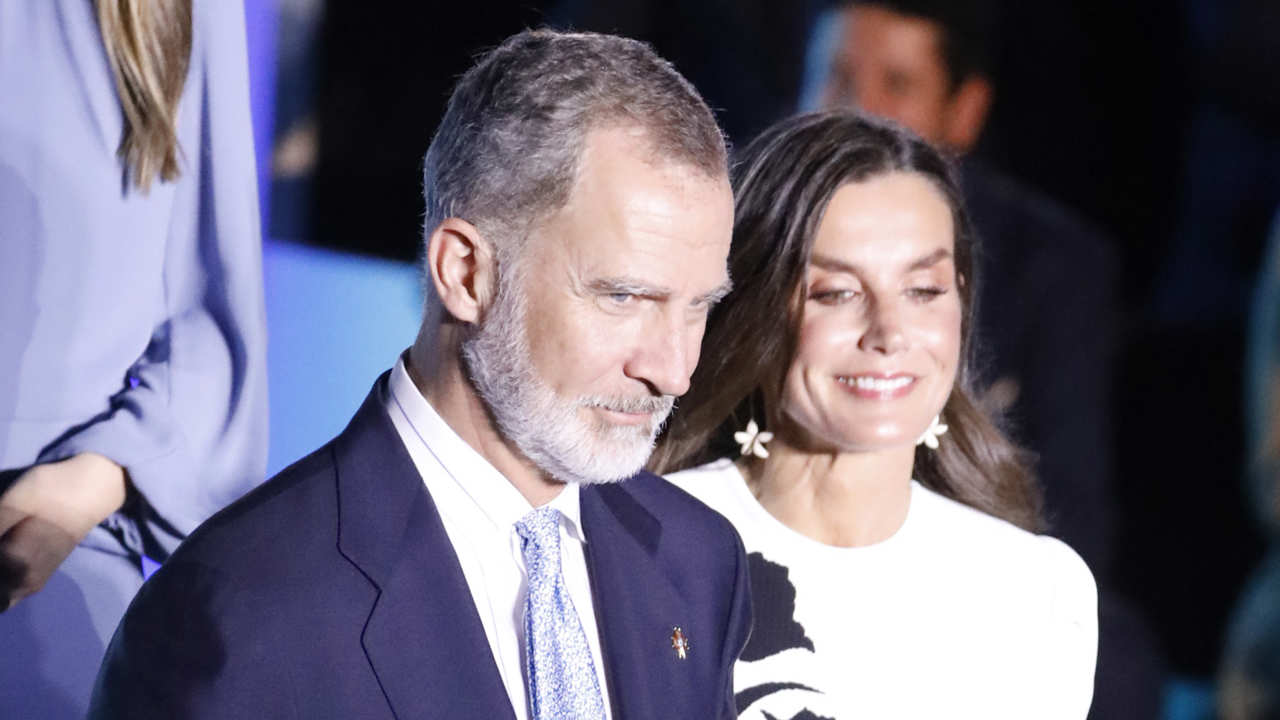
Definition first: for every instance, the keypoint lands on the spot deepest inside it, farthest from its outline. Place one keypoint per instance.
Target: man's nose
(662, 359)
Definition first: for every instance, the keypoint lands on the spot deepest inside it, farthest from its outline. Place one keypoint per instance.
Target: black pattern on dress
(773, 602)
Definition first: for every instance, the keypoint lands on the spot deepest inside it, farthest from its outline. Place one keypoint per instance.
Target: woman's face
(879, 339)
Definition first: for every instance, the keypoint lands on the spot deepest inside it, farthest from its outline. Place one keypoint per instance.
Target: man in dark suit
(467, 547)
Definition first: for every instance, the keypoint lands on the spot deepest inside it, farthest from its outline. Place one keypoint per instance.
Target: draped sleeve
(131, 324)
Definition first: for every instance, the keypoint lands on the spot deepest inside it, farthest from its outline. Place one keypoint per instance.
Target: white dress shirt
(479, 508)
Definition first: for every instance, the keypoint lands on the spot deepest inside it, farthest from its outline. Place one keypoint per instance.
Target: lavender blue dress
(131, 325)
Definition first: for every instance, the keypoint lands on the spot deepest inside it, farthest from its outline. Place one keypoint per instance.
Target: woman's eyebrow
(931, 259)
(834, 264)
(837, 265)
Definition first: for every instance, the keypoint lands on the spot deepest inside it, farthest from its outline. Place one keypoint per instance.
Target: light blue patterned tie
(562, 677)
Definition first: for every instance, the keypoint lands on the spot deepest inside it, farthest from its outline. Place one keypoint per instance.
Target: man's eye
(620, 299)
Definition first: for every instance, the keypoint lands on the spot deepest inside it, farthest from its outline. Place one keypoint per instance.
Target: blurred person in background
(132, 329)
(890, 525)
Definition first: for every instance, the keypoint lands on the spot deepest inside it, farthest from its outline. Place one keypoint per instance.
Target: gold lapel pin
(679, 643)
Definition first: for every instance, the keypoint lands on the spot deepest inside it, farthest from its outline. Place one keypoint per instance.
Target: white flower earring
(752, 440)
(930, 436)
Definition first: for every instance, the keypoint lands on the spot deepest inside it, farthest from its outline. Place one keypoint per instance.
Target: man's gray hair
(507, 151)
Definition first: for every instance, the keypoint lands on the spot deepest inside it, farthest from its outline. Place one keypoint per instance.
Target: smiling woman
(880, 337)
(889, 524)
(788, 182)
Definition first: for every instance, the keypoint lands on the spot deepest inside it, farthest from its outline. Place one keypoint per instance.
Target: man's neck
(434, 364)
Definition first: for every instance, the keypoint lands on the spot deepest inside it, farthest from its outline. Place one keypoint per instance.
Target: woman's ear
(463, 269)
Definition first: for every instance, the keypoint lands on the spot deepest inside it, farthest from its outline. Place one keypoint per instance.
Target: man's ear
(463, 269)
(967, 113)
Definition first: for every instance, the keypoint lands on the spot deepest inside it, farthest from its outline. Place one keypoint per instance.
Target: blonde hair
(148, 44)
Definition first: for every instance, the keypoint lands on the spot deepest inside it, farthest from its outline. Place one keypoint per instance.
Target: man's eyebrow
(639, 288)
(627, 286)
(716, 295)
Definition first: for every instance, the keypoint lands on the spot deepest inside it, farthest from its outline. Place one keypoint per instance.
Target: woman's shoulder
(715, 474)
(722, 468)
(976, 534)
(715, 483)
(1020, 574)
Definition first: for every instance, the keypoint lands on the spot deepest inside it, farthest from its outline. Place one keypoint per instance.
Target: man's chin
(602, 481)
(609, 466)
(617, 473)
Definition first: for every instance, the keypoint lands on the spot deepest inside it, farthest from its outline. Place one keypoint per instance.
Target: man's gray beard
(546, 428)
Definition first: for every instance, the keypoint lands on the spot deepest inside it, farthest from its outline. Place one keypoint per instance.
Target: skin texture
(48, 510)
(617, 283)
(881, 300)
(891, 65)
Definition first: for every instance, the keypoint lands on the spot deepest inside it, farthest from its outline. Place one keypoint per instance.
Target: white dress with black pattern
(956, 615)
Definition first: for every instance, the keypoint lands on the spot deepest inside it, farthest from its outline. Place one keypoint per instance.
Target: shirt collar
(571, 509)
(490, 491)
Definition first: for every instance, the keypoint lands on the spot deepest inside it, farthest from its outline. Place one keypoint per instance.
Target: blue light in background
(335, 321)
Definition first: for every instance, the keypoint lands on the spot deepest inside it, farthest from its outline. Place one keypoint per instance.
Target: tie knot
(540, 529)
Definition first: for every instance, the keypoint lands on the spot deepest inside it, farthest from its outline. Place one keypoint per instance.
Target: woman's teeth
(875, 384)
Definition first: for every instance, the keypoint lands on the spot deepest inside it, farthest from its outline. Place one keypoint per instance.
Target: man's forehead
(666, 227)
(621, 178)
(626, 140)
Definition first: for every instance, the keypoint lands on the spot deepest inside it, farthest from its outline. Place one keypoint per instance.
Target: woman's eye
(926, 293)
(832, 297)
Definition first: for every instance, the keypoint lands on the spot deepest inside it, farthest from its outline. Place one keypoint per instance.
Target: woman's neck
(840, 499)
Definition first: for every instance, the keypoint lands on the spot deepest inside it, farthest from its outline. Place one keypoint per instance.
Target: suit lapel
(423, 636)
(636, 605)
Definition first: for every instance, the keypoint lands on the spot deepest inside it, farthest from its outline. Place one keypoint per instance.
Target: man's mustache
(650, 405)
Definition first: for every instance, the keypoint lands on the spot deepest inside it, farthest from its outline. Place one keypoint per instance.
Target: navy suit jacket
(333, 591)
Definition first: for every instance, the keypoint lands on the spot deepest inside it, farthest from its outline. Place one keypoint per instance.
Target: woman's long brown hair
(782, 183)
(148, 44)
